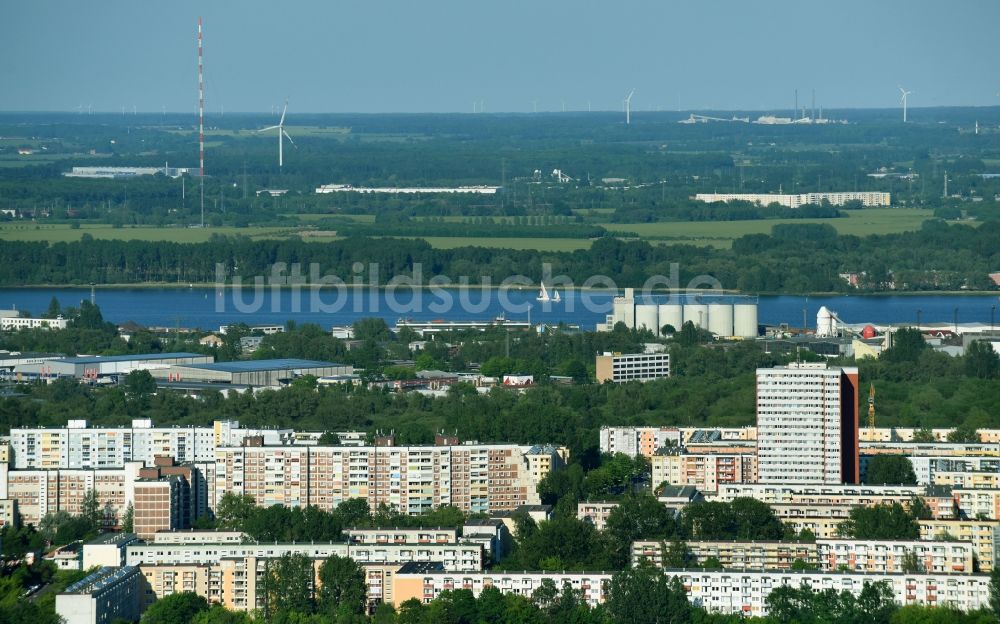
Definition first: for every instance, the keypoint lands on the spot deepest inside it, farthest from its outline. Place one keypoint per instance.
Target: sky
(497, 55)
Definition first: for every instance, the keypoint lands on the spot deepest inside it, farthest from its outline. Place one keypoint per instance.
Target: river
(208, 308)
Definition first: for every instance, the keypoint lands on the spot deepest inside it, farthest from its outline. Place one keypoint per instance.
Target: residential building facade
(807, 424)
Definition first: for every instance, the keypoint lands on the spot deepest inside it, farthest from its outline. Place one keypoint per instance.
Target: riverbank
(208, 308)
(517, 287)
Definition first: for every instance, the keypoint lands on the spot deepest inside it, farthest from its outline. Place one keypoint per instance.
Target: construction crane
(871, 406)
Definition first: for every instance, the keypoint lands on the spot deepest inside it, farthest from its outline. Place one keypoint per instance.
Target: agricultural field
(722, 233)
(12, 159)
(718, 234)
(61, 233)
(310, 217)
(296, 131)
(537, 244)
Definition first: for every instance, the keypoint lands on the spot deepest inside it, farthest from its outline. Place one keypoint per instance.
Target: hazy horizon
(516, 57)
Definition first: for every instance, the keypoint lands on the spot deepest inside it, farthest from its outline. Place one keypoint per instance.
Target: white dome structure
(826, 322)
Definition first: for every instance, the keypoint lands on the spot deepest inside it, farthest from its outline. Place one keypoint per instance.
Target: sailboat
(543, 295)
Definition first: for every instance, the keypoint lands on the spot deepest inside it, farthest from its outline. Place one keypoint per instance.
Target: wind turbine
(628, 107)
(903, 99)
(282, 135)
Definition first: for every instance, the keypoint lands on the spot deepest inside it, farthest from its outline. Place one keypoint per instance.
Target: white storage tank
(745, 320)
(720, 319)
(646, 316)
(697, 313)
(824, 322)
(672, 314)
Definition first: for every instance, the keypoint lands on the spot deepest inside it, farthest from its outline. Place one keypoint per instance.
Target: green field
(309, 217)
(59, 233)
(295, 131)
(14, 160)
(702, 233)
(543, 244)
(722, 233)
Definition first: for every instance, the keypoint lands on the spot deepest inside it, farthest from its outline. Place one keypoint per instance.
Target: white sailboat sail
(543, 294)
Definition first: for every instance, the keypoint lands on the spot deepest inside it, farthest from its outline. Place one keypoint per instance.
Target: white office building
(622, 367)
(14, 323)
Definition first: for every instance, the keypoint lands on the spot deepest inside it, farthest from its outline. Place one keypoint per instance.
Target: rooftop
(543, 449)
(421, 567)
(250, 366)
(96, 359)
(397, 528)
(114, 538)
(102, 578)
(491, 522)
(675, 491)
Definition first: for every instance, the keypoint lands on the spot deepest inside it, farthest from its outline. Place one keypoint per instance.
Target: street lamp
(918, 318)
(993, 311)
(956, 320)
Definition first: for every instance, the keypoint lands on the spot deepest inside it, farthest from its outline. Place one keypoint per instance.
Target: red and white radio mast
(201, 123)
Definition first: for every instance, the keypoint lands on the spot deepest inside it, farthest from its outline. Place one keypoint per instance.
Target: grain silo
(646, 315)
(672, 314)
(720, 318)
(696, 313)
(745, 319)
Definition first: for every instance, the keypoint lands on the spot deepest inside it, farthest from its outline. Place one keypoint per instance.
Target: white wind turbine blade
(289, 138)
(268, 128)
(283, 111)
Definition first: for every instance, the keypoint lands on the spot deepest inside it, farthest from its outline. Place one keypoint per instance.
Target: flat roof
(201, 385)
(399, 528)
(421, 567)
(96, 359)
(99, 579)
(247, 366)
(114, 538)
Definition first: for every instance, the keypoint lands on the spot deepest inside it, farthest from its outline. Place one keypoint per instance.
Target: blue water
(208, 309)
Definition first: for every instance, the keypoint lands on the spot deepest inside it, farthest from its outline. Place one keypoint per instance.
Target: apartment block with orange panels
(414, 479)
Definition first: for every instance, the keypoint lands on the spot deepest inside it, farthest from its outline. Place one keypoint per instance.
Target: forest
(794, 258)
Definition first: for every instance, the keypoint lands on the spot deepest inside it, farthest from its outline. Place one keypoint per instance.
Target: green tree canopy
(889, 521)
(342, 587)
(890, 470)
(175, 609)
(645, 594)
(907, 345)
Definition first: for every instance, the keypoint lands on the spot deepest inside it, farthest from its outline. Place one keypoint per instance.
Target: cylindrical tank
(646, 316)
(745, 320)
(672, 314)
(624, 312)
(824, 322)
(697, 313)
(720, 319)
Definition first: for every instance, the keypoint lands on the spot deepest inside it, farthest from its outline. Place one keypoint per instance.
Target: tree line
(795, 259)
